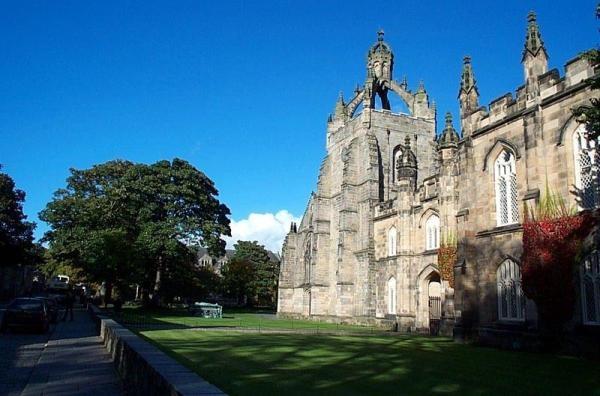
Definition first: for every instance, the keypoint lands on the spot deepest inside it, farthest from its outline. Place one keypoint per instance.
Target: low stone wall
(145, 369)
(383, 323)
(580, 341)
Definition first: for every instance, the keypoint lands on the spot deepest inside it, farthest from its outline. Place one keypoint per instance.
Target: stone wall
(145, 369)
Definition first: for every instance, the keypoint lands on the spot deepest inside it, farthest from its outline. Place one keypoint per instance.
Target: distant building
(206, 260)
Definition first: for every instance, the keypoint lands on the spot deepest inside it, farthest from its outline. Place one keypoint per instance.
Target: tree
(590, 114)
(126, 223)
(51, 267)
(16, 234)
(180, 205)
(254, 265)
(238, 277)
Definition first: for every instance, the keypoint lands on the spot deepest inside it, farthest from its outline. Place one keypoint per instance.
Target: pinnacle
(448, 119)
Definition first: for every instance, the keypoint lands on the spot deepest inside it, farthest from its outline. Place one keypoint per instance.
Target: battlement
(550, 85)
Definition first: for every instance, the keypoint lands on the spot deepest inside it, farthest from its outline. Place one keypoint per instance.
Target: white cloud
(267, 228)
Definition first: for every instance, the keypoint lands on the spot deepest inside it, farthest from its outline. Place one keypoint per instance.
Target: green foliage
(16, 234)
(51, 267)
(550, 206)
(252, 274)
(238, 277)
(127, 223)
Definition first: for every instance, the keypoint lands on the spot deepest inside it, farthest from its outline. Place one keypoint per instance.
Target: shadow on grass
(350, 365)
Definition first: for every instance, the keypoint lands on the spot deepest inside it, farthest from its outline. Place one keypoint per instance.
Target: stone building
(390, 190)
(216, 263)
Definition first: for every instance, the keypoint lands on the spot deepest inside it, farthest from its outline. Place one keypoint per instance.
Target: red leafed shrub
(446, 262)
(550, 247)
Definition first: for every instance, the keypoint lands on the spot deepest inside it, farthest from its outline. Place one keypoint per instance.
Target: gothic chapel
(390, 191)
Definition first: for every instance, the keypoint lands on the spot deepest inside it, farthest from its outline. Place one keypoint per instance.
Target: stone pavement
(74, 362)
(19, 353)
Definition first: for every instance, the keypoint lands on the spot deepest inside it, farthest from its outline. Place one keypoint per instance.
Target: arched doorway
(429, 300)
(434, 303)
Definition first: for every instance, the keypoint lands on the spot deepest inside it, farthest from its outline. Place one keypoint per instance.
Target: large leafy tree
(253, 273)
(16, 233)
(126, 223)
(238, 278)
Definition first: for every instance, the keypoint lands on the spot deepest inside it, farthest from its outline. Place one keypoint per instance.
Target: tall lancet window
(511, 301)
(432, 232)
(585, 156)
(507, 206)
(391, 286)
(392, 238)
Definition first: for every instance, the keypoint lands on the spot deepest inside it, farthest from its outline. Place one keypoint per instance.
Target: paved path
(74, 362)
(19, 353)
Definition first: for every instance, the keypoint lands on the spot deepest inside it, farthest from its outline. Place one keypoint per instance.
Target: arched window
(432, 232)
(590, 288)
(391, 288)
(586, 171)
(507, 207)
(397, 155)
(392, 236)
(307, 258)
(511, 301)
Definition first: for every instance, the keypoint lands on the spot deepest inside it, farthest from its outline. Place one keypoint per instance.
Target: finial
(407, 141)
(380, 34)
(341, 97)
(467, 59)
(533, 38)
(448, 119)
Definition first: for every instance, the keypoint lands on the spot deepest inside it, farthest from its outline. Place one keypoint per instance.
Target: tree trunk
(108, 293)
(145, 297)
(157, 283)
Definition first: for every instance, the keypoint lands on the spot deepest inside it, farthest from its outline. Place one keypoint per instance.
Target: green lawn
(294, 364)
(179, 318)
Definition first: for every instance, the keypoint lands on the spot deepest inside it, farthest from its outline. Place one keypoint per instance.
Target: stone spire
(340, 107)
(535, 57)
(449, 137)
(468, 94)
(421, 102)
(533, 40)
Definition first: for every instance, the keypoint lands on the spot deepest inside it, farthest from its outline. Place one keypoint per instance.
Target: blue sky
(240, 89)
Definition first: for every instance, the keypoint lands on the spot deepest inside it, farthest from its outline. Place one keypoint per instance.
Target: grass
(296, 364)
(180, 318)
